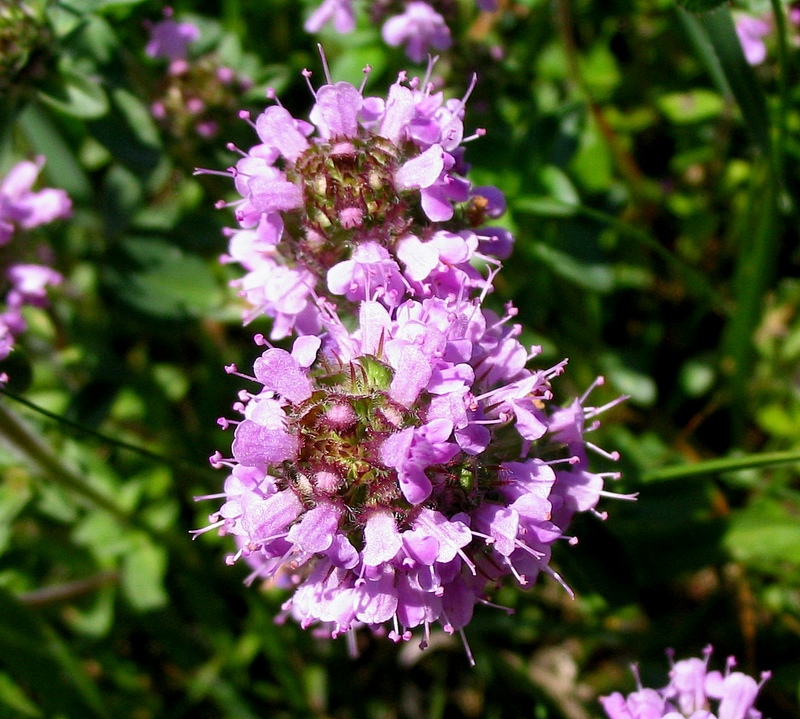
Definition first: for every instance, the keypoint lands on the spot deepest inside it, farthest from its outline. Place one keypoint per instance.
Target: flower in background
(395, 474)
(22, 208)
(693, 692)
(339, 13)
(367, 201)
(170, 39)
(420, 28)
(752, 30)
(195, 94)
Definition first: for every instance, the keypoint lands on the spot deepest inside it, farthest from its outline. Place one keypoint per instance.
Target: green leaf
(693, 106)
(717, 29)
(41, 664)
(700, 5)
(77, 95)
(45, 139)
(544, 206)
(559, 185)
(14, 495)
(142, 578)
(12, 696)
(764, 533)
(162, 280)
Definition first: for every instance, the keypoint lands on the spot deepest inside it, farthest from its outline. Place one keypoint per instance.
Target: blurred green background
(652, 182)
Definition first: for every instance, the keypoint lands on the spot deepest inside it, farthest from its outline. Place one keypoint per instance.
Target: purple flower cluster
(369, 200)
(420, 26)
(693, 692)
(194, 92)
(22, 208)
(402, 459)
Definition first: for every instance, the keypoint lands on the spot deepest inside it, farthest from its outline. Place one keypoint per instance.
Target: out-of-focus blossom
(752, 30)
(170, 39)
(339, 13)
(420, 28)
(195, 94)
(693, 692)
(23, 208)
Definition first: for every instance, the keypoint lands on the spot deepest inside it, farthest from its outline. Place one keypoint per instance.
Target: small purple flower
(170, 39)
(21, 206)
(752, 30)
(693, 692)
(339, 13)
(419, 28)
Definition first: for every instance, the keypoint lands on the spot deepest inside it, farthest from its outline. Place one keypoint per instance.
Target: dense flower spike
(693, 692)
(367, 201)
(394, 474)
(23, 208)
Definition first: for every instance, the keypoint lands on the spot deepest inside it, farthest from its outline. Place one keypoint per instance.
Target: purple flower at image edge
(693, 692)
(22, 208)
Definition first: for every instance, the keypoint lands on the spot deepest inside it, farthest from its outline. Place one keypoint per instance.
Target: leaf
(77, 95)
(14, 495)
(142, 578)
(693, 106)
(764, 533)
(45, 139)
(41, 664)
(560, 186)
(162, 280)
(12, 696)
(717, 29)
(127, 131)
(544, 206)
(700, 5)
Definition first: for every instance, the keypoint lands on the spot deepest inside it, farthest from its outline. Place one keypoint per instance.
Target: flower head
(693, 692)
(399, 471)
(366, 200)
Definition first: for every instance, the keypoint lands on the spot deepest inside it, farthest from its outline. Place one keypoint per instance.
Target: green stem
(202, 473)
(717, 466)
(783, 83)
(23, 439)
